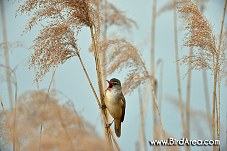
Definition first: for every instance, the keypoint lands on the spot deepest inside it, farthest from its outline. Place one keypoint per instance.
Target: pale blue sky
(71, 81)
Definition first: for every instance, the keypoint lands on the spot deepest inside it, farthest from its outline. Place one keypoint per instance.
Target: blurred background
(71, 81)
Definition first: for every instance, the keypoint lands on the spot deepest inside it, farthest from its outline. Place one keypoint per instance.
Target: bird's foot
(108, 125)
(103, 106)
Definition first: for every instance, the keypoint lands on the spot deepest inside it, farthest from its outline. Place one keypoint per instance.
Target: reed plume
(171, 6)
(57, 41)
(207, 55)
(30, 114)
(178, 73)
(200, 36)
(201, 6)
(110, 16)
(123, 55)
(116, 17)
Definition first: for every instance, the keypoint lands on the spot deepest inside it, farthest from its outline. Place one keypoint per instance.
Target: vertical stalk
(188, 111)
(151, 80)
(160, 86)
(104, 52)
(213, 111)
(98, 67)
(99, 76)
(218, 107)
(6, 55)
(54, 81)
(157, 108)
(178, 72)
(207, 99)
(206, 91)
(8, 74)
(152, 65)
(142, 101)
(108, 131)
(226, 131)
(216, 73)
(104, 73)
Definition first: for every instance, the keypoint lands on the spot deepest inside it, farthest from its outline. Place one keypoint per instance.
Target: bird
(115, 104)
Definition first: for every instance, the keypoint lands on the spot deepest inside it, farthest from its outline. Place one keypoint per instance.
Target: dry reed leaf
(121, 54)
(199, 36)
(62, 21)
(34, 108)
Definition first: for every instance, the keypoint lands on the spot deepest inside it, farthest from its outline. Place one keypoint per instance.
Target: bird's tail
(117, 127)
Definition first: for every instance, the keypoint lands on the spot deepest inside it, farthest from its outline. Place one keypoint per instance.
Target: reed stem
(188, 111)
(6, 55)
(99, 76)
(142, 102)
(216, 73)
(207, 100)
(152, 66)
(178, 72)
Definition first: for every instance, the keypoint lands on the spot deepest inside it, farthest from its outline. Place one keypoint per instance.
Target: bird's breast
(113, 96)
(114, 103)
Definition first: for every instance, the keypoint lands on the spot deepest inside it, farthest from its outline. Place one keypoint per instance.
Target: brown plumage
(115, 103)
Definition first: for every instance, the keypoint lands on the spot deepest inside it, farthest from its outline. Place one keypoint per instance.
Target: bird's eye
(114, 83)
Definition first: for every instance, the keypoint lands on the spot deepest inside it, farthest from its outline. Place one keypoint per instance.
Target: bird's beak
(108, 81)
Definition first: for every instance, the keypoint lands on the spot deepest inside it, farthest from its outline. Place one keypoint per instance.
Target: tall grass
(64, 27)
(202, 36)
(143, 104)
(12, 129)
(188, 97)
(178, 73)
(38, 122)
(121, 54)
(6, 55)
(56, 119)
(152, 69)
(62, 31)
(217, 73)
(207, 99)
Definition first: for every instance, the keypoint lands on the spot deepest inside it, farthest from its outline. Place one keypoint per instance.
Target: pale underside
(114, 103)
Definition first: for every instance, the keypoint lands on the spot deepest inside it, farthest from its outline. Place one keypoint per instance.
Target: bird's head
(113, 83)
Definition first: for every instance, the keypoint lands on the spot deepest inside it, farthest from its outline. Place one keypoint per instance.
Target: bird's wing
(123, 108)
